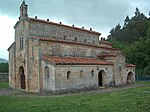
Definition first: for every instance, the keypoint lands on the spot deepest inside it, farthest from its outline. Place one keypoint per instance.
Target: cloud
(98, 14)
(6, 35)
(90, 13)
(101, 15)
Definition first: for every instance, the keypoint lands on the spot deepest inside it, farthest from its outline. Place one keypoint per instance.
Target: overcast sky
(100, 15)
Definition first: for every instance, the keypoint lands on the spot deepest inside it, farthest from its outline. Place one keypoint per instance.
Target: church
(49, 56)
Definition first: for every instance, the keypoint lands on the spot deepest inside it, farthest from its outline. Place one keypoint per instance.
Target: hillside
(3, 60)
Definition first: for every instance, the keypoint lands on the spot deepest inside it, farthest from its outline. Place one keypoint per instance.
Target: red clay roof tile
(130, 65)
(75, 61)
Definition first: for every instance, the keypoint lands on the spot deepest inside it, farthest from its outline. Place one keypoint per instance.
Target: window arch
(46, 72)
(81, 73)
(68, 75)
(92, 73)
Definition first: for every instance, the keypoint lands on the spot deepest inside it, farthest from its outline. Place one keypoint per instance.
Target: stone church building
(48, 56)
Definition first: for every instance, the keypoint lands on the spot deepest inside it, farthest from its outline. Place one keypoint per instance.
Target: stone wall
(119, 69)
(76, 79)
(63, 33)
(129, 70)
(12, 61)
(59, 49)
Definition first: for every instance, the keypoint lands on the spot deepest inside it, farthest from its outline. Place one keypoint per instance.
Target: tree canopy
(4, 68)
(134, 40)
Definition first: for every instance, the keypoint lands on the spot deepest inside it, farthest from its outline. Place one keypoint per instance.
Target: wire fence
(142, 78)
(4, 77)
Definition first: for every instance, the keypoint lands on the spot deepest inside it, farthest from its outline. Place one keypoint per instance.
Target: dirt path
(11, 92)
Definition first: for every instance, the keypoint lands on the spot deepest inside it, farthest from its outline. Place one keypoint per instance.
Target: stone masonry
(48, 56)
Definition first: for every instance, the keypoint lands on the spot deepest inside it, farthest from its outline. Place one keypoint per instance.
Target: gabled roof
(63, 25)
(75, 61)
(11, 46)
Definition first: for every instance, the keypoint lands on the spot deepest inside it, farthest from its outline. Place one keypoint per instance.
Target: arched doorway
(22, 78)
(130, 79)
(100, 78)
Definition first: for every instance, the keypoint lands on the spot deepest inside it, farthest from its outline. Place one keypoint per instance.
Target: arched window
(92, 73)
(68, 75)
(46, 72)
(85, 40)
(81, 73)
(76, 39)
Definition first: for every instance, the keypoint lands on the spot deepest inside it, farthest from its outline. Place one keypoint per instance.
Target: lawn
(131, 100)
(3, 85)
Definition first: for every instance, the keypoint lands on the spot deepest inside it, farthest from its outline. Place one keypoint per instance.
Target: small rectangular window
(22, 43)
(32, 50)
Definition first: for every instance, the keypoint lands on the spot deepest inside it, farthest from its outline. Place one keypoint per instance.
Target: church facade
(48, 56)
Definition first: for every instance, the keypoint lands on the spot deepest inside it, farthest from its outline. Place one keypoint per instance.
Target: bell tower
(23, 10)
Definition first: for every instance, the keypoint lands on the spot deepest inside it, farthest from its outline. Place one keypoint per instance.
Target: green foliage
(134, 40)
(131, 100)
(4, 67)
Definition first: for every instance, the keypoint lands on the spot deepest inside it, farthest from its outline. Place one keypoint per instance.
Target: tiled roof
(105, 42)
(73, 43)
(130, 65)
(49, 22)
(74, 61)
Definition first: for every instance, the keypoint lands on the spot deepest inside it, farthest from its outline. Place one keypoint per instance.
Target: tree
(126, 21)
(4, 67)
(137, 12)
(134, 41)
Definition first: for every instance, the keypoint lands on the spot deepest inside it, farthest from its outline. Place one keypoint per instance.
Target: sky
(100, 15)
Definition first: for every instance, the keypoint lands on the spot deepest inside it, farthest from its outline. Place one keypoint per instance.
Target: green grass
(131, 100)
(4, 85)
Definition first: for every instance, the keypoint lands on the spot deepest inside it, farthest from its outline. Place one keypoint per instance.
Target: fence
(142, 78)
(4, 77)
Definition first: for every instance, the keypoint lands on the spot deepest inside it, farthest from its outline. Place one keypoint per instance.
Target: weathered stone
(36, 38)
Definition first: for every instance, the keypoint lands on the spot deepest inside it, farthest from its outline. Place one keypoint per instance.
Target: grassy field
(131, 100)
(3, 85)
